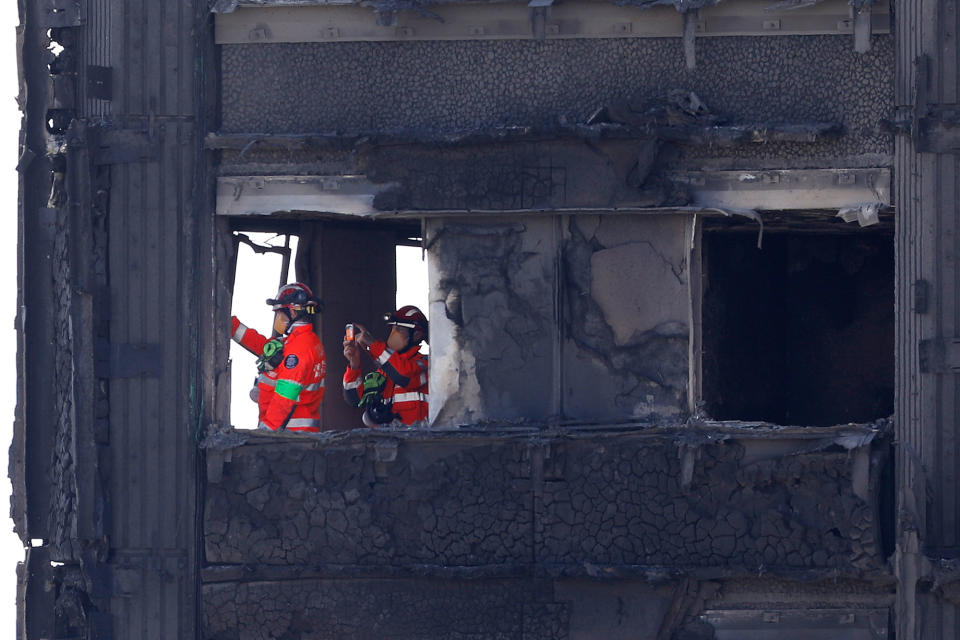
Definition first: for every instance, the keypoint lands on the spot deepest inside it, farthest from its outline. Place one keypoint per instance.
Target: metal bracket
(128, 360)
(117, 146)
(921, 83)
(61, 13)
(940, 355)
(938, 132)
(921, 296)
(862, 27)
(223, 6)
(691, 23)
(539, 12)
(100, 82)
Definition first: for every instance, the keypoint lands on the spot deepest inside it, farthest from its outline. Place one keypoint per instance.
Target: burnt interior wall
(626, 300)
(576, 317)
(470, 85)
(800, 331)
(492, 319)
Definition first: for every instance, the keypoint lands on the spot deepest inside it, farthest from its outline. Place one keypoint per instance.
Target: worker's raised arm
(405, 371)
(246, 337)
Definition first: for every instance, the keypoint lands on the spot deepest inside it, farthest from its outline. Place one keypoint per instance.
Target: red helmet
(413, 319)
(295, 298)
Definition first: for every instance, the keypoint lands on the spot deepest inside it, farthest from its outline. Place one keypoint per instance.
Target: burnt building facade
(692, 303)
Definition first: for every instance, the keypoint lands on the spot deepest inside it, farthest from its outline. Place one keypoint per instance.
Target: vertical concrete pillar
(494, 333)
(928, 393)
(354, 271)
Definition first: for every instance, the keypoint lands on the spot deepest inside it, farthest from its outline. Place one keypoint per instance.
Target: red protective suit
(289, 395)
(406, 388)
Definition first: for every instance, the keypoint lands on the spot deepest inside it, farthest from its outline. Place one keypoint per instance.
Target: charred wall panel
(127, 225)
(151, 417)
(561, 609)
(626, 296)
(579, 317)
(401, 609)
(291, 505)
(470, 85)
(36, 223)
(927, 311)
(154, 309)
(493, 310)
(314, 538)
(633, 501)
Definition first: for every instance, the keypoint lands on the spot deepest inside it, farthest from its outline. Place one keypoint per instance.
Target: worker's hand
(364, 337)
(352, 353)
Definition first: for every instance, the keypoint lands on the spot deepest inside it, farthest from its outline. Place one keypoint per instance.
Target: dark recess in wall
(799, 332)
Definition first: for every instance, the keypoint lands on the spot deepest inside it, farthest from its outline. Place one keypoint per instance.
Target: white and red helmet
(295, 298)
(412, 318)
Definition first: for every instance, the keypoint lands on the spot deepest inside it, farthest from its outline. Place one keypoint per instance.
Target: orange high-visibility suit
(290, 394)
(406, 388)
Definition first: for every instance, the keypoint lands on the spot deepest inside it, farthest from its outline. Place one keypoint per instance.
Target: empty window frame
(800, 332)
(354, 267)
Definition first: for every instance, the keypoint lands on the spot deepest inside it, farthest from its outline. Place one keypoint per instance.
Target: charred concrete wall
(576, 317)
(562, 609)
(457, 536)
(471, 85)
(493, 297)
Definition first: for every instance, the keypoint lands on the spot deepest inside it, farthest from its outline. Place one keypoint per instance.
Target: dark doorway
(800, 332)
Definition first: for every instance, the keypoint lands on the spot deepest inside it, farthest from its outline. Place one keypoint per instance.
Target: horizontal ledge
(282, 573)
(713, 193)
(692, 431)
(730, 134)
(285, 22)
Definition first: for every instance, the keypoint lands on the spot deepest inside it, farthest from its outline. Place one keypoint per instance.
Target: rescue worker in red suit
(292, 364)
(404, 392)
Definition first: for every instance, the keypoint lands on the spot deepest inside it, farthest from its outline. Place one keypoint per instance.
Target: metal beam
(788, 189)
(711, 191)
(511, 21)
(265, 195)
(714, 135)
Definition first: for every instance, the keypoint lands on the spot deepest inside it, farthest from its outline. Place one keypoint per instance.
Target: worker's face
(280, 322)
(398, 337)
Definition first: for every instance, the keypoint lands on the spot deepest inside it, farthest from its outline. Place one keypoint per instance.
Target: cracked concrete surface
(627, 308)
(446, 509)
(492, 319)
(597, 304)
(476, 85)
(461, 504)
(400, 609)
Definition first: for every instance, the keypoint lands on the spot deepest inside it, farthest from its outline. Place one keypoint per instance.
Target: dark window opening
(800, 332)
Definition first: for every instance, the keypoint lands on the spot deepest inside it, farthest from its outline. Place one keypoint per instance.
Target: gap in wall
(801, 331)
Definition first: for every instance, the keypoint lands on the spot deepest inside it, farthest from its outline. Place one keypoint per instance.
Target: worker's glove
(375, 408)
(271, 357)
(373, 384)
